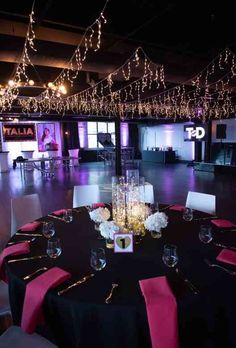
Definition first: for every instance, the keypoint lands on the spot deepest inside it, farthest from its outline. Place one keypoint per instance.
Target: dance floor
(171, 183)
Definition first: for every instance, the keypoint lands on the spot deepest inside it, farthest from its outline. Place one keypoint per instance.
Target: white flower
(156, 221)
(99, 214)
(108, 228)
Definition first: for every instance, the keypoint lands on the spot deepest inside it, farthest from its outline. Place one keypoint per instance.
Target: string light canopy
(209, 94)
(90, 40)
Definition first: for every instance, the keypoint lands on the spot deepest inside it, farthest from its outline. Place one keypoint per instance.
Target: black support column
(118, 147)
(207, 151)
(198, 151)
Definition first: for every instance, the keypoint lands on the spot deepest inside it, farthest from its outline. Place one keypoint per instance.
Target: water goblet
(188, 214)
(98, 259)
(205, 234)
(54, 248)
(170, 256)
(67, 215)
(48, 229)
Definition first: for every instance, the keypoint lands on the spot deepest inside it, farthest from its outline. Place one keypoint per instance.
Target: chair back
(24, 209)
(85, 195)
(15, 337)
(202, 202)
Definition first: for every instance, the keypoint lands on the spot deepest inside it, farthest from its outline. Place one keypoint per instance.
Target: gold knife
(80, 281)
(56, 217)
(28, 258)
(33, 273)
(22, 241)
(28, 234)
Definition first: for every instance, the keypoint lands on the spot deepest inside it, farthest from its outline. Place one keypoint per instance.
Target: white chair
(14, 337)
(24, 209)
(201, 201)
(74, 153)
(148, 193)
(85, 195)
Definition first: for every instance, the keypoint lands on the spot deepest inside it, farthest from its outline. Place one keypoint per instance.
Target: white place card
(123, 243)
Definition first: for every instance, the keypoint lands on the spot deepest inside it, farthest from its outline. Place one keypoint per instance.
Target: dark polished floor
(171, 184)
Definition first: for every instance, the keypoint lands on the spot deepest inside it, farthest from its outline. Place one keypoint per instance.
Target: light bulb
(31, 82)
(11, 83)
(50, 84)
(62, 89)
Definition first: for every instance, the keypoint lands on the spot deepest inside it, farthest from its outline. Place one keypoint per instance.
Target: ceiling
(182, 35)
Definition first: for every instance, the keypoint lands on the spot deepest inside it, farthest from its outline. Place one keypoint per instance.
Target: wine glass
(170, 256)
(98, 259)
(48, 229)
(67, 215)
(205, 234)
(188, 214)
(54, 248)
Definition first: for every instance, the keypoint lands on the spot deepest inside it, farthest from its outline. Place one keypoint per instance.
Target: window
(99, 127)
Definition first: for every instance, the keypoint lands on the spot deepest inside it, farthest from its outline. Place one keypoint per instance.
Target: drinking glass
(205, 234)
(54, 248)
(188, 214)
(67, 215)
(98, 259)
(48, 229)
(154, 207)
(170, 256)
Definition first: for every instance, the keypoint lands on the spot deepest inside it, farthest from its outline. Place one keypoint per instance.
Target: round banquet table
(80, 317)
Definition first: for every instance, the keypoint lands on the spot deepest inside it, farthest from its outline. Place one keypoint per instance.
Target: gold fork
(80, 281)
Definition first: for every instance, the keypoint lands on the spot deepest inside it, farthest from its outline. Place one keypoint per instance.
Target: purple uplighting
(124, 129)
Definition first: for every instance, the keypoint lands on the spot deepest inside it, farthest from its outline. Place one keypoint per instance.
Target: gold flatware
(80, 281)
(35, 272)
(77, 210)
(56, 217)
(210, 264)
(22, 241)
(168, 206)
(192, 287)
(28, 234)
(28, 258)
(108, 299)
(206, 218)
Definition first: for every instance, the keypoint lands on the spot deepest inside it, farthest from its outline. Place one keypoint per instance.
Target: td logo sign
(195, 133)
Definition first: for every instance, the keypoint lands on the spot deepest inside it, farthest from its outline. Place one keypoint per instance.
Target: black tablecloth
(80, 318)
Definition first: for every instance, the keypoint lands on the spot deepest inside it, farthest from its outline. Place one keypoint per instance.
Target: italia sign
(18, 132)
(195, 133)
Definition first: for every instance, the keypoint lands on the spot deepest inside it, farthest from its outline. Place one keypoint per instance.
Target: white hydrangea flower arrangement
(108, 228)
(99, 215)
(156, 221)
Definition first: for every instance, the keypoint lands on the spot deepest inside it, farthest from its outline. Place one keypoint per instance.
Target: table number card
(123, 243)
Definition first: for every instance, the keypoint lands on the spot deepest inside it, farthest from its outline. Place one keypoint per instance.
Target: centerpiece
(99, 215)
(107, 230)
(155, 222)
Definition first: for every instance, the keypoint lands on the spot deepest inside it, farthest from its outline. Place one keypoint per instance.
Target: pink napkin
(223, 223)
(36, 289)
(59, 212)
(17, 249)
(177, 207)
(98, 205)
(31, 226)
(161, 311)
(227, 256)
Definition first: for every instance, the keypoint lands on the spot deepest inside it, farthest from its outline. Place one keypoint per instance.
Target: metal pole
(118, 147)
